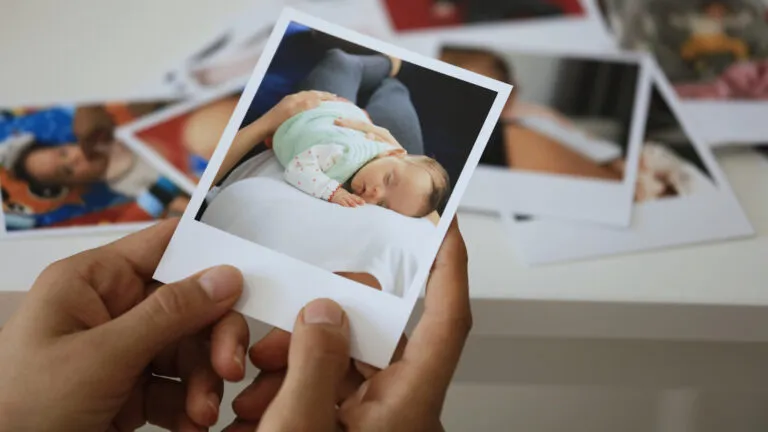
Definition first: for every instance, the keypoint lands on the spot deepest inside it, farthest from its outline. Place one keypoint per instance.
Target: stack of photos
(299, 146)
(680, 197)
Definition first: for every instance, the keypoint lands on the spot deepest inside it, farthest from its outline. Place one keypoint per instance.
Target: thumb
(170, 313)
(318, 359)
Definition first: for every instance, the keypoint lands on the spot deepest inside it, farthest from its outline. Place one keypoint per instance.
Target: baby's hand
(346, 199)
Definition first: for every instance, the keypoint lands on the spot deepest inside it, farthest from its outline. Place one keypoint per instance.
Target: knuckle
(169, 302)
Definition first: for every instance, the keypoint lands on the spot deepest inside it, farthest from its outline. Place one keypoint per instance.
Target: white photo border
(562, 196)
(278, 286)
(128, 133)
(705, 216)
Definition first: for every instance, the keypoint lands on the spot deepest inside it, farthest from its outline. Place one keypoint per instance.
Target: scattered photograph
(63, 171)
(342, 163)
(680, 198)
(708, 49)
(425, 14)
(231, 55)
(183, 136)
(572, 120)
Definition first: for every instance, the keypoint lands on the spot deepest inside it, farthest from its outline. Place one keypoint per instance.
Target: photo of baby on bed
(708, 49)
(347, 158)
(421, 14)
(60, 166)
(566, 116)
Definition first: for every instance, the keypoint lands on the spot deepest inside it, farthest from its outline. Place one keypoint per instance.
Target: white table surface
(56, 51)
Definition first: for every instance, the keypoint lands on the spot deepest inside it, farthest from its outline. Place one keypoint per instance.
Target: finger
(367, 371)
(251, 403)
(229, 337)
(324, 96)
(144, 249)
(438, 339)
(164, 405)
(318, 360)
(240, 425)
(170, 313)
(204, 386)
(271, 352)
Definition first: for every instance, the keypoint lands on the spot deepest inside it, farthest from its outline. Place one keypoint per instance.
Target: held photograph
(680, 198)
(343, 164)
(569, 136)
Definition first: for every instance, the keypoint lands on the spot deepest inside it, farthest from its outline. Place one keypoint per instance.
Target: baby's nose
(375, 192)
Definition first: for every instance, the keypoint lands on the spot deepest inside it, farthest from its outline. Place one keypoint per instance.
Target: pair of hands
(96, 345)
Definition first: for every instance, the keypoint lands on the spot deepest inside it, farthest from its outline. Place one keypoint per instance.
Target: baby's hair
(441, 183)
(21, 172)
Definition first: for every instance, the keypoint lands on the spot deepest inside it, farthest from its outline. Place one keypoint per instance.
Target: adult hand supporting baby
(372, 131)
(406, 396)
(294, 104)
(90, 346)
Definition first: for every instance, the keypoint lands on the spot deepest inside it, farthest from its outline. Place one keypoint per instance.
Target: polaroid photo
(681, 197)
(230, 56)
(49, 187)
(714, 53)
(568, 141)
(346, 197)
(182, 137)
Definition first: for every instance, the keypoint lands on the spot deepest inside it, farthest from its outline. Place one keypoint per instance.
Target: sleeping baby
(335, 153)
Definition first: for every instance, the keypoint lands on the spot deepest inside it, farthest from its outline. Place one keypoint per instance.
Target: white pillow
(266, 210)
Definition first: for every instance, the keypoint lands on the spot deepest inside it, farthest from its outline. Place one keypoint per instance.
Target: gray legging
(389, 105)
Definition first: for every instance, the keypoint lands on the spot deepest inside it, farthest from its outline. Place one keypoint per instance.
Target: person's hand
(303, 377)
(372, 132)
(294, 104)
(345, 198)
(94, 128)
(95, 346)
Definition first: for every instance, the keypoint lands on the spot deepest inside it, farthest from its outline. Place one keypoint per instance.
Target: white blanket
(256, 204)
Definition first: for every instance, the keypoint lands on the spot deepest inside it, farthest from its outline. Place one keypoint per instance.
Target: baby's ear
(399, 152)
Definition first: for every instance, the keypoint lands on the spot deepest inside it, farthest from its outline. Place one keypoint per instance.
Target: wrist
(335, 193)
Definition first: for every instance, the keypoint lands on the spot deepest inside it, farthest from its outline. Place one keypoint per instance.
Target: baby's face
(394, 183)
(64, 165)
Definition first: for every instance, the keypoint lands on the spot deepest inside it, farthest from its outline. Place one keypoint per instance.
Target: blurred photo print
(681, 197)
(713, 52)
(63, 171)
(569, 137)
(427, 14)
(337, 176)
(183, 136)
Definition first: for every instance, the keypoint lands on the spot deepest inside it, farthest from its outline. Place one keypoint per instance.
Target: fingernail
(221, 283)
(323, 311)
(240, 357)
